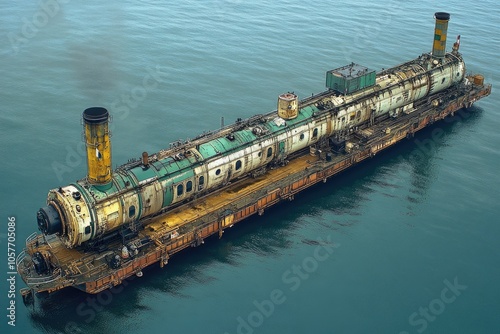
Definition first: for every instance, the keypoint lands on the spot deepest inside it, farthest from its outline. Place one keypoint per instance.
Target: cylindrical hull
(141, 190)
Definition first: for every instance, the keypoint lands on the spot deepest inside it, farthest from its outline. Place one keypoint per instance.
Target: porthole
(238, 165)
(269, 152)
(301, 136)
(217, 172)
(131, 211)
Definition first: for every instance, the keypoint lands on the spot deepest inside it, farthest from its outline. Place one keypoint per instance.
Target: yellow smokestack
(95, 123)
(440, 32)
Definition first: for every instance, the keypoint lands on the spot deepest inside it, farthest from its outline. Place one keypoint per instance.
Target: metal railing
(20, 257)
(31, 237)
(45, 279)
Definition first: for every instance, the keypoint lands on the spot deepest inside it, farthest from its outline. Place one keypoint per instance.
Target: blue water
(405, 243)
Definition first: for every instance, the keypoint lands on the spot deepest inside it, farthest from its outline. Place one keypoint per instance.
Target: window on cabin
(189, 186)
(238, 165)
(180, 190)
(351, 118)
(269, 152)
(131, 211)
(217, 172)
(201, 182)
(315, 133)
(301, 136)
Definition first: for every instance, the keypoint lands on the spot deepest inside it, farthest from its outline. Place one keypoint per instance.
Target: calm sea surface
(404, 243)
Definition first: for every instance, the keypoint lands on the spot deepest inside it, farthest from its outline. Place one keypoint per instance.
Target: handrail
(31, 237)
(38, 280)
(20, 257)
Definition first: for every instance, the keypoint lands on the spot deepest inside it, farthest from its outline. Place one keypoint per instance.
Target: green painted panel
(171, 166)
(207, 150)
(120, 179)
(308, 111)
(183, 164)
(218, 146)
(143, 174)
(244, 136)
(187, 174)
(103, 191)
(281, 147)
(272, 127)
(350, 78)
(160, 168)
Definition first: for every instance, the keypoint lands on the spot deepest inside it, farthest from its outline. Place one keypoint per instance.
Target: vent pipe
(440, 32)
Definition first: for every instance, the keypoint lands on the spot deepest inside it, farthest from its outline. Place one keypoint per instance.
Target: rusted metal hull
(188, 225)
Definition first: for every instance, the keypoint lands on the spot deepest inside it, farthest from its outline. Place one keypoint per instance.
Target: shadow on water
(72, 311)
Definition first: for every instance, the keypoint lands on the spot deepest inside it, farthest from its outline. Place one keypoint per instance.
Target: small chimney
(288, 106)
(145, 158)
(440, 32)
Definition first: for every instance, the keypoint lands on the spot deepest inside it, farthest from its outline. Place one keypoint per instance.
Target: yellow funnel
(440, 32)
(95, 123)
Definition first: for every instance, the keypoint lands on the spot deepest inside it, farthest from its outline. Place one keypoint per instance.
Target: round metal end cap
(95, 115)
(442, 16)
(48, 220)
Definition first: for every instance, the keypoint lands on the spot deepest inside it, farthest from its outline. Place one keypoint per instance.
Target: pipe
(440, 32)
(97, 140)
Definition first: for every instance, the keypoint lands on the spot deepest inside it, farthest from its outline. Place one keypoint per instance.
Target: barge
(110, 225)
